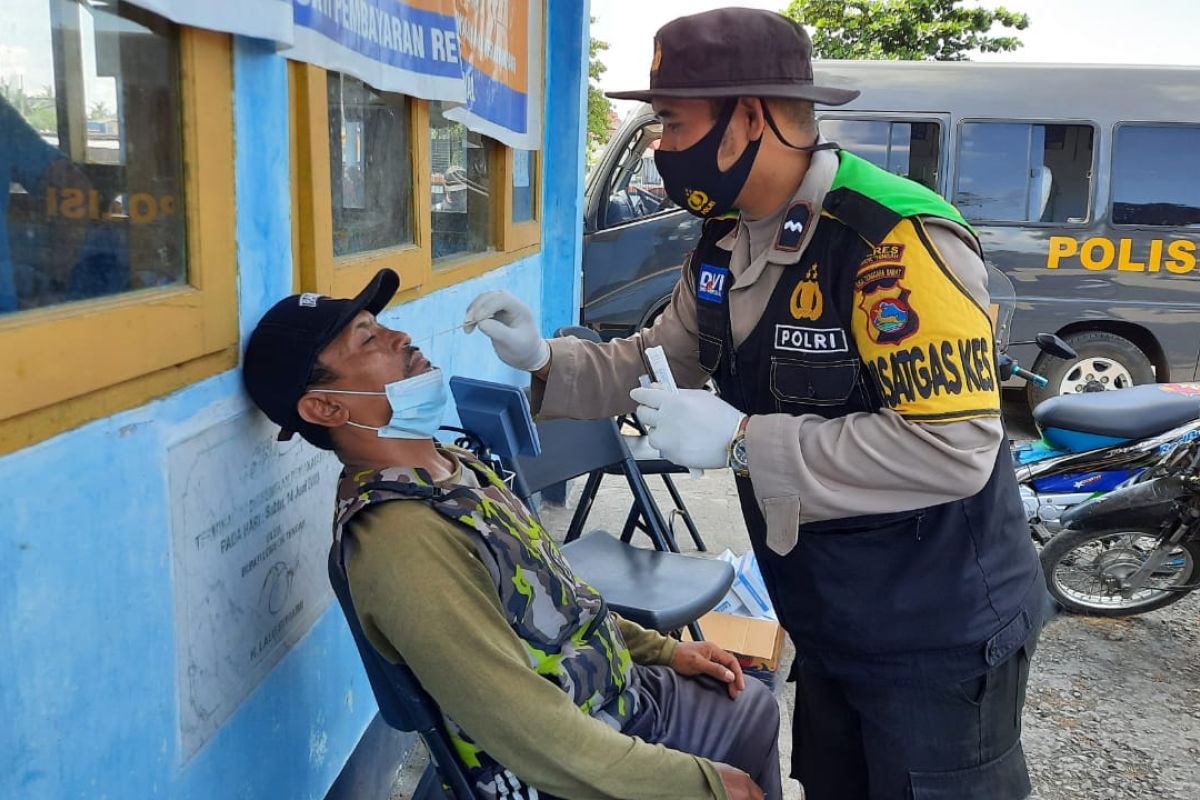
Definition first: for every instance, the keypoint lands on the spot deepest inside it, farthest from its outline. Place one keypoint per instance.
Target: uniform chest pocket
(816, 383)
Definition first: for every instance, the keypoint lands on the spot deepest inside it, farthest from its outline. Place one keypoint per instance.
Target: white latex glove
(509, 324)
(691, 427)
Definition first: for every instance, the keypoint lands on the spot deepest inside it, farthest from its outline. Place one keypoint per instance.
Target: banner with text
(481, 56)
(500, 44)
(262, 19)
(476, 54)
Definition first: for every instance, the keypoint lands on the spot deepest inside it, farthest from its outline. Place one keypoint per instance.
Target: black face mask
(695, 182)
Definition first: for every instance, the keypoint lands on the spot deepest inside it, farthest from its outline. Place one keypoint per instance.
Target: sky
(26, 57)
(1060, 31)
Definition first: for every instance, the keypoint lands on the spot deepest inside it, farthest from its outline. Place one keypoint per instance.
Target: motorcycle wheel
(1086, 570)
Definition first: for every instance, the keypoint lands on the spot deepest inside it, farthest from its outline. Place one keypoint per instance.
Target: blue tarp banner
(483, 56)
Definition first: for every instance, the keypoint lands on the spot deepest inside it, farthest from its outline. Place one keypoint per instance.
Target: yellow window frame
(316, 269)
(518, 235)
(81, 361)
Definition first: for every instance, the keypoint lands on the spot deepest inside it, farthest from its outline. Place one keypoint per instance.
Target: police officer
(842, 313)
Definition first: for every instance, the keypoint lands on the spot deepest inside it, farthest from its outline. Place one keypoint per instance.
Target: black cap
(286, 343)
(734, 52)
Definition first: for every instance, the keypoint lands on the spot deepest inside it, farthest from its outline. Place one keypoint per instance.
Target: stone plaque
(250, 526)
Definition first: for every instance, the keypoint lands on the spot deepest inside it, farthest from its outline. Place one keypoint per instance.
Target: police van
(1082, 182)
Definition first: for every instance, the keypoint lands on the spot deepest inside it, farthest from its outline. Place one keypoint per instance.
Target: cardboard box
(756, 642)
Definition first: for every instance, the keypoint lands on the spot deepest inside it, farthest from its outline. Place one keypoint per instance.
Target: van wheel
(1106, 361)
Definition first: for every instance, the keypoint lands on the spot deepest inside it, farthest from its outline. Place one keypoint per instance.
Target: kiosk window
(1156, 176)
(460, 187)
(92, 149)
(523, 189)
(370, 167)
(910, 149)
(1021, 172)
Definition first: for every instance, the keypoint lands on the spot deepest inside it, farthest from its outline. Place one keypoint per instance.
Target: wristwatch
(739, 461)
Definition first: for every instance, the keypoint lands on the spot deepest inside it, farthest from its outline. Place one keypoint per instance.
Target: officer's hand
(509, 324)
(738, 784)
(691, 427)
(705, 658)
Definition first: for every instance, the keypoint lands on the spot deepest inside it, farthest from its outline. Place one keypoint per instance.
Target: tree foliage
(38, 109)
(599, 107)
(99, 110)
(913, 30)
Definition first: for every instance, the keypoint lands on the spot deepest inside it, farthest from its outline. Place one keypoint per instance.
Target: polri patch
(810, 340)
(712, 283)
(791, 232)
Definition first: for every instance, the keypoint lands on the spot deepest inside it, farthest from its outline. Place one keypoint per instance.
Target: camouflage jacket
(567, 632)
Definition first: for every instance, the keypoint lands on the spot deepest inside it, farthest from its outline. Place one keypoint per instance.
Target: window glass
(461, 201)
(91, 145)
(865, 138)
(370, 167)
(910, 149)
(1020, 172)
(523, 188)
(1156, 176)
(635, 189)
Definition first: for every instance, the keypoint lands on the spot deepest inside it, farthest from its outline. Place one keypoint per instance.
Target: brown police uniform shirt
(802, 467)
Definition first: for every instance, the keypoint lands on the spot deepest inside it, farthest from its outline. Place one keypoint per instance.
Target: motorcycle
(1090, 443)
(1135, 549)
(1094, 443)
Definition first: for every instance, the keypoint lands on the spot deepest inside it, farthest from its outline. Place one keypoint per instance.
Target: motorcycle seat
(1134, 413)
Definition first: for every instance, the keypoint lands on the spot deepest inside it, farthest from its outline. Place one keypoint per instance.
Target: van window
(1022, 172)
(635, 189)
(911, 149)
(1156, 176)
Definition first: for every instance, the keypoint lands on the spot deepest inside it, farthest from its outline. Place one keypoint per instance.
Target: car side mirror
(1052, 345)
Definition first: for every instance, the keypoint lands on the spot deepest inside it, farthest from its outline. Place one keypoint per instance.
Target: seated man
(451, 574)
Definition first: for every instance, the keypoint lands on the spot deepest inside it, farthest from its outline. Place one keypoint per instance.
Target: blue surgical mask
(417, 406)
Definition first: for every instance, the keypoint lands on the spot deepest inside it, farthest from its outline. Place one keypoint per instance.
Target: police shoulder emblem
(885, 301)
(791, 232)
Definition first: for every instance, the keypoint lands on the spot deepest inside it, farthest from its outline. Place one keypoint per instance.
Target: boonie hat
(734, 52)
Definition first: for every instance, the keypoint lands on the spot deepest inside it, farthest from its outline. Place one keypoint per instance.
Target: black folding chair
(659, 589)
(403, 704)
(649, 462)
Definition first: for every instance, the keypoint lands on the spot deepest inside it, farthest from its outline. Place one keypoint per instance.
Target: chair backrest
(570, 448)
(403, 704)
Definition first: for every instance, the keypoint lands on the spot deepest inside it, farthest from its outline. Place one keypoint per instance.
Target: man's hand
(705, 658)
(691, 427)
(738, 784)
(509, 324)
